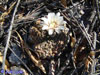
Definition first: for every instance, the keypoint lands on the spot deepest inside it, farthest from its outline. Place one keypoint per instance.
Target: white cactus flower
(53, 22)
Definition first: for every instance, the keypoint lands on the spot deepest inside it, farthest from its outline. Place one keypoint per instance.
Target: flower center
(53, 24)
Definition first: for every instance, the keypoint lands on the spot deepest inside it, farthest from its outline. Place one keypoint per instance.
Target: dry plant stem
(83, 29)
(93, 24)
(93, 46)
(29, 16)
(76, 4)
(93, 56)
(92, 19)
(85, 33)
(52, 68)
(61, 70)
(21, 61)
(95, 38)
(2, 17)
(9, 35)
(97, 8)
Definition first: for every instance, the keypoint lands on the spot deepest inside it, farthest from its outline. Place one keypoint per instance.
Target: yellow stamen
(53, 24)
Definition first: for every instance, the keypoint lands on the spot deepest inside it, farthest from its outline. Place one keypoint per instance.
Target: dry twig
(9, 36)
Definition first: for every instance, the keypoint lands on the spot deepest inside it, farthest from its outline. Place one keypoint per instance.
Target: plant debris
(49, 37)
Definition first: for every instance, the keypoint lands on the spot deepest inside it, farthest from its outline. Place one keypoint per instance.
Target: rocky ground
(27, 47)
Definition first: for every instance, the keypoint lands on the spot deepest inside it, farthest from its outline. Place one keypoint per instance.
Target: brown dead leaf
(64, 2)
(88, 62)
(73, 41)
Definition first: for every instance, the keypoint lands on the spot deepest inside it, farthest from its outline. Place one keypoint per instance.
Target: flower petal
(45, 20)
(58, 14)
(51, 17)
(50, 31)
(61, 27)
(67, 29)
(60, 20)
(45, 27)
(56, 17)
(57, 30)
(64, 22)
